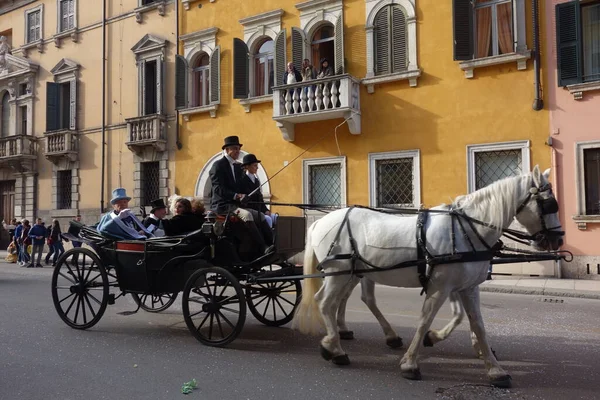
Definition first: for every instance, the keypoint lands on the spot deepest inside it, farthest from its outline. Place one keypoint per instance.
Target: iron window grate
(491, 166)
(64, 182)
(326, 184)
(150, 182)
(395, 182)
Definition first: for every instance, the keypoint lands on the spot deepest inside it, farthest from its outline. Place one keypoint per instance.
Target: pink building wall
(571, 122)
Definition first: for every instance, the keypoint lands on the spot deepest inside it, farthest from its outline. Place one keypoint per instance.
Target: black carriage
(218, 280)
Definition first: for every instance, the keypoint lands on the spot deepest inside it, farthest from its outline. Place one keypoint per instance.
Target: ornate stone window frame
(65, 165)
(150, 48)
(394, 155)
(159, 5)
(39, 44)
(67, 71)
(19, 72)
(60, 33)
(413, 72)
(150, 155)
(194, 43)
(257, 28)
(582, 219)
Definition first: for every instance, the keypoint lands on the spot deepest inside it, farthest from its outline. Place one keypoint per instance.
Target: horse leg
(408, 365)
(470, 299)
(329, 298)
(345, 333)
(368, 297)
(432, 337)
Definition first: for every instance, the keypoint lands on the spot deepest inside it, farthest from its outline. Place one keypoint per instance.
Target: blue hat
(119, 194)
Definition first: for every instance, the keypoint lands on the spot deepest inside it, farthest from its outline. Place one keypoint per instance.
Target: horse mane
(496, 203)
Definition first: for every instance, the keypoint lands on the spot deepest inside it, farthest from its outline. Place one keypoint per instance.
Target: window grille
(326, 184)
(63, 187)
(491, 166)
(591, 159)
(150, 182)
(395, 182)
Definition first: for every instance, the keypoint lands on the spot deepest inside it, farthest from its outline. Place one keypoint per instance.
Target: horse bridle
(546, 207)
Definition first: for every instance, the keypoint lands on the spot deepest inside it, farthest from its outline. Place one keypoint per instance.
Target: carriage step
(111, 299)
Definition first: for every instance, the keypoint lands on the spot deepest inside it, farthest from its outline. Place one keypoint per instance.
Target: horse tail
(308, 319)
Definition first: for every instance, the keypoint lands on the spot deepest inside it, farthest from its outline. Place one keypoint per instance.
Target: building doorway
(322, 46)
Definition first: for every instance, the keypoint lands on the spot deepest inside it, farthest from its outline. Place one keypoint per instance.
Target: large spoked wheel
(80, 288)
(274, 303)
(214, 307)
(154, 302)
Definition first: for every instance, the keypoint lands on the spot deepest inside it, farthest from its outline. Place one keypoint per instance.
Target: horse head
(538, 213)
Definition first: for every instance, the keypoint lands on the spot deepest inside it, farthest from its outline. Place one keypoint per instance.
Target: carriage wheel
(154, 302)
(274, 303)
(214, 307)
(80, 288)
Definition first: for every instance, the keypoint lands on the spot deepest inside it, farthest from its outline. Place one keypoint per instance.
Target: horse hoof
(326, 354)
(341, 360)
(394, 343)
(347, 335)
(427, 340)
(412, 374)
(503, 382)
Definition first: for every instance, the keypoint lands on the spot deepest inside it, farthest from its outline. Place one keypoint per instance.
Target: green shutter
(399, 44)
(340, 66)
(215, 76)
(73, 104)
(382, 41)
(52, 106)
(181, 75)
(240, 69)
(298, 47)
(279, 57)
(568, 43)
(462, 19)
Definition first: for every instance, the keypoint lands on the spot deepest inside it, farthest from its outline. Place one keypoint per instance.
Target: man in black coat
(226, 194)
(154, 221)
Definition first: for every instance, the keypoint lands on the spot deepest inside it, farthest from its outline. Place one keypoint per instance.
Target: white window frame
(150, 48)
(581, 216)
(472, 150)
(307, 163)
(413, 72)
(59, 28)
(67, 71)
(33, 10)
(253, 57)
(394, 155)
(204, 97)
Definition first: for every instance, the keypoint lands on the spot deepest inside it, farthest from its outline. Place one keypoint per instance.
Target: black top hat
(231, 141)
(249, 159)
(157, 204)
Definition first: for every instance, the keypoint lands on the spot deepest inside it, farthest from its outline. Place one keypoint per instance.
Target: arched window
(5, 115)
(201, 80)
(263, 68)
(390, 38)
(323, 46)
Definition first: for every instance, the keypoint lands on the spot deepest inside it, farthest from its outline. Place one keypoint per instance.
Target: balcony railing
(317, 100)
(18, 152)
(149, 130)
(60, 144)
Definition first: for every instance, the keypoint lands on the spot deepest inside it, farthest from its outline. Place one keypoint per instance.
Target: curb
(582, 294)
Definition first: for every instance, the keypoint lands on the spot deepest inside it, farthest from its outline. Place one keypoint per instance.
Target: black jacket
(296, 73)
(224, 186)
(183, 223)
(150, 221)
(255, 201)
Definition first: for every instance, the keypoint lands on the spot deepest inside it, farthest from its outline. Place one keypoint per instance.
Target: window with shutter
(298, 47)
(263, 68)
(67, 15)
(279, 60)
(33, 23)
(590, 24)
(340, 66)
(181, 82)
(200, 80)
(150, 87)
(215, 76)
(52, 106)
(462, 20)
(240, 69)
(5, 128)
(390, 37)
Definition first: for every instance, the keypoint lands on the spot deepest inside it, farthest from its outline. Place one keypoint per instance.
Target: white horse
(386, 240)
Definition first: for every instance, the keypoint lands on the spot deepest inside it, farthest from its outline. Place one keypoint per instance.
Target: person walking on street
(25, 241)
(55, 242)
(37, 233)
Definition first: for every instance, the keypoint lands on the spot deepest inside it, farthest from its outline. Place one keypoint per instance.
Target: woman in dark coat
(184, 221)
(250, 186)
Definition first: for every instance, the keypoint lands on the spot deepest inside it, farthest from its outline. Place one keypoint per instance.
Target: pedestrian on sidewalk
(55, 243)
(17, 238)
(24, 242)
(37, 233)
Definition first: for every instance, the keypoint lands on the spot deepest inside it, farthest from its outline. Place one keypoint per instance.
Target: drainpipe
(177, 141)
(538, 102)
(103, 105)
(555, 188)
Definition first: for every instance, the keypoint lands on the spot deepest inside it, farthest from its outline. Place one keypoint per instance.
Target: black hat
(249, 159)
(231, 141)
(157, 204)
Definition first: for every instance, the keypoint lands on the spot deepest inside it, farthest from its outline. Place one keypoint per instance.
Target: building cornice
(15, 5)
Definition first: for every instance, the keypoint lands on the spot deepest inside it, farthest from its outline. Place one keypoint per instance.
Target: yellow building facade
(400, 123)
(59, 105)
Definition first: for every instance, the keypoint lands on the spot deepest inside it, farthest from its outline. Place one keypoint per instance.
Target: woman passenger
(184, 221)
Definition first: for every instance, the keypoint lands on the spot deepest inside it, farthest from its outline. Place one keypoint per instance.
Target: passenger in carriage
(154, 222)
(185, 219)
(121, 222)
(226, 176)
(251, 187)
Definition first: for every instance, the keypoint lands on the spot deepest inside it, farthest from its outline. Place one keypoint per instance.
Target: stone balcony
(317, 100)
(61, 144)
(18, 152)
(147, 131)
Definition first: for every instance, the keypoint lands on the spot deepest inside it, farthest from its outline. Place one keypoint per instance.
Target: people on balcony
(291, 74)
(121, 223)
(325, 69)
(308, 71)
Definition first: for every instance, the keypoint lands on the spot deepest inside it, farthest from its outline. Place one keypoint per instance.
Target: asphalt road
(551, 349)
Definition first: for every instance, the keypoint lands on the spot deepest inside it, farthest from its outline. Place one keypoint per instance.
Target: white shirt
(291, 78)
(251, 176)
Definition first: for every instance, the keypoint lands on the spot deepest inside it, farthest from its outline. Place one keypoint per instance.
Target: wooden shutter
(73, 104)
(298, 47)
(160, 73)
(215, 76)
(279, 57)
(382, 41)
(52, 106)
(399, 44)
(181, 82)
(568, 43)
(340, 67)
(240, 69)
(462, 19)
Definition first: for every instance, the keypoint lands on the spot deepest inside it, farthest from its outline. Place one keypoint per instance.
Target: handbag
(49, 241)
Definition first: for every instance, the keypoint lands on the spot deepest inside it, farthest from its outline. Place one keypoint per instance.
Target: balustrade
(147, 130)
